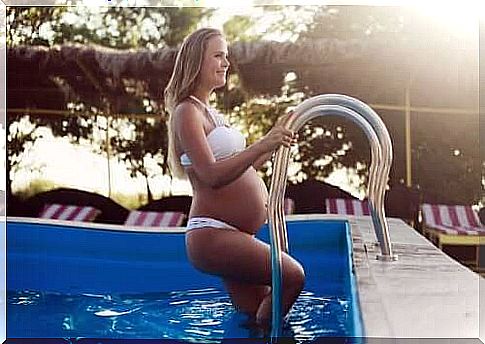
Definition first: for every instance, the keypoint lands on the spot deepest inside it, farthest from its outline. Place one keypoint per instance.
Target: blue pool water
(68, 282)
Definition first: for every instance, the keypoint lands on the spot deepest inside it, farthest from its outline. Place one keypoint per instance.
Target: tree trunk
(149, 192)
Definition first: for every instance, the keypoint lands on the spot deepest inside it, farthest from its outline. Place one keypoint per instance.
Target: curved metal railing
(381, 160)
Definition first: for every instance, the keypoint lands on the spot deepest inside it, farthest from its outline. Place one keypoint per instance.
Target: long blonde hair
(182, 84)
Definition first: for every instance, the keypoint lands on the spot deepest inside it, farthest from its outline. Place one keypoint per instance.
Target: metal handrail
(381, 154)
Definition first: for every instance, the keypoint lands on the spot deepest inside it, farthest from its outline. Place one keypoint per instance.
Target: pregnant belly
(241, 203)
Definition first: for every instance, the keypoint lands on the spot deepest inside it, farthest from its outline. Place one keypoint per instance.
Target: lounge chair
(289, 206)
(155, 218)
(453, 225)
(69, 212)
(347, 206)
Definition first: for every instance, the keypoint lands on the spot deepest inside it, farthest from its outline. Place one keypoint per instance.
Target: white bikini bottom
(199, 222)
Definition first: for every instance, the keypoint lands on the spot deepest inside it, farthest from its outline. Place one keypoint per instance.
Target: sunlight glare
(348, 180)
(463, 17)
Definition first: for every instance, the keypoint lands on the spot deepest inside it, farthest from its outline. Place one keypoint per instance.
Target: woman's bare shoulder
(188, 116)
(187, 110)
(186, 106)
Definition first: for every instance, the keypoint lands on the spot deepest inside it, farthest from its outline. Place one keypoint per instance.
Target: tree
(238, 28)
(115, 27)
(347, 22)
(147, 140)
(446, 166)
(326, 144)
(446, 158)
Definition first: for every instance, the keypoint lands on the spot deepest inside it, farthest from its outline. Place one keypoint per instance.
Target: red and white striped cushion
(69, 212)
(347, 206)
(155, 218)
(452, 219)
(289, 206)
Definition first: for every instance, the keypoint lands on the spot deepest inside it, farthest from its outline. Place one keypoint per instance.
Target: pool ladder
(381, 160)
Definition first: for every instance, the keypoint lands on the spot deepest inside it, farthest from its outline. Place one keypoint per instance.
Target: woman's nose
(225, 62)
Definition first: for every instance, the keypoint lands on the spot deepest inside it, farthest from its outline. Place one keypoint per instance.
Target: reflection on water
(203, 315)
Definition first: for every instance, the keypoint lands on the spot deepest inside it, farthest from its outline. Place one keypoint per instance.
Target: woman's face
(214, 64)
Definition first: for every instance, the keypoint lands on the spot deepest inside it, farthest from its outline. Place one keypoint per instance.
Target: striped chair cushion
(289, 206)
(452, 219)
(155, 218)
(347, 206)
(69, 212)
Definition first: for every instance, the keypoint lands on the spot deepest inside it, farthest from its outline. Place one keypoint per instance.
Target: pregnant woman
(229, 198)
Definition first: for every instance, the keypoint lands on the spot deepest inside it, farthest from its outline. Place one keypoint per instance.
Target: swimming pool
(68, 281)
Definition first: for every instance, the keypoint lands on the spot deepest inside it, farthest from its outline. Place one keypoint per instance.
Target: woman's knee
(294, 275)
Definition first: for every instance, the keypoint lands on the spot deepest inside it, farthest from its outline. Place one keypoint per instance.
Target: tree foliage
(24, 130)
(447, 165)
(143, 149)
(446, 157)
(346, 22)
(115, 27)
(238, 28)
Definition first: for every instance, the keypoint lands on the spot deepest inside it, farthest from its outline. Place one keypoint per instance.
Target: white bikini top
(223, 140)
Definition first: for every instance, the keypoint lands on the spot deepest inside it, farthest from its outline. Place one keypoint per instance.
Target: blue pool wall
(72, 259)
(357, 315)
(69, 259)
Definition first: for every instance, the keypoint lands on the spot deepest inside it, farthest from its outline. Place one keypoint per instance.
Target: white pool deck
(425, 294)
(423, 297)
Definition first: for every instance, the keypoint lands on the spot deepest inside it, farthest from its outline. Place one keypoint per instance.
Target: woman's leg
(239, 257)
(246, 297)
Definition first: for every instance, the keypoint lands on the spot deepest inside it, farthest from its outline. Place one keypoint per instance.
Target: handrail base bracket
(387, 258)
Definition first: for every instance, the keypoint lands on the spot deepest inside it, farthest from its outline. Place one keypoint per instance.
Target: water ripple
(198, 315)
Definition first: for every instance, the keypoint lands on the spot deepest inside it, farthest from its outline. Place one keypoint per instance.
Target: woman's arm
(261, 160)
(190, 131)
